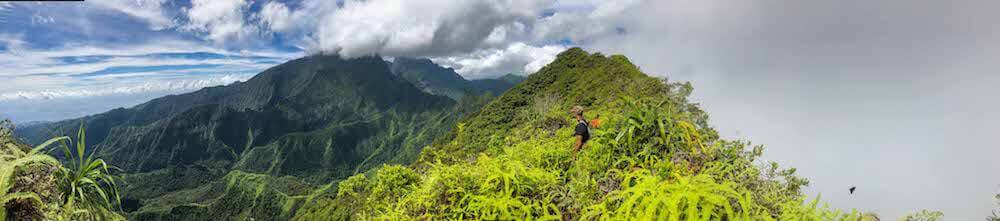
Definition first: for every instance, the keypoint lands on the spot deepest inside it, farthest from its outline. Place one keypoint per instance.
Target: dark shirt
(582, 130)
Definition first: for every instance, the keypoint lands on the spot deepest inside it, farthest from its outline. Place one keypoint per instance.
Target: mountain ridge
(311, 120)
(654, 157)
(438, 80)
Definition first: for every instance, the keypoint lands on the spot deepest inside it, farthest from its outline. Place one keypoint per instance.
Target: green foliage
(923, 215)
(87, 182)
(85, 187)
(290, 136)
(654, 158)
(314, 120)
(812, 211)
(15, 159)
(575, 78)
(237, 196)
(649, 197)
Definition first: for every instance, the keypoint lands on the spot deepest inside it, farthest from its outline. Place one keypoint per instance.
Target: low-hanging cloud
(887, 96)
(522, 58)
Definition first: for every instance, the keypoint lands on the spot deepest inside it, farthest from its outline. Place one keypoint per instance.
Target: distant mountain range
(306, 122)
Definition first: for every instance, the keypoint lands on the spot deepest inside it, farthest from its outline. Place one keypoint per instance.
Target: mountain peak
(574, 78)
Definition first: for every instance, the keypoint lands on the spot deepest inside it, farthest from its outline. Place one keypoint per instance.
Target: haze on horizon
(891, 96)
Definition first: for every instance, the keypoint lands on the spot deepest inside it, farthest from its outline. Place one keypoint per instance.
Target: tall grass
(649, 163)
(85, 183)
(650, 197)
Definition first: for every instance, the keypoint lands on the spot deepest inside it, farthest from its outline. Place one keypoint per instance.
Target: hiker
(582, 131)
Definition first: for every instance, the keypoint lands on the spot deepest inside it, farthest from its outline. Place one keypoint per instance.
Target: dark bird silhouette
(852, 189)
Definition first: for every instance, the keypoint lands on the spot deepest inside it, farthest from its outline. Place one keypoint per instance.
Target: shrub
(84, 186)
(87, 183)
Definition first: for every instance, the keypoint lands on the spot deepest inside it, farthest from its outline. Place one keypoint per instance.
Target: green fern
(650, 197)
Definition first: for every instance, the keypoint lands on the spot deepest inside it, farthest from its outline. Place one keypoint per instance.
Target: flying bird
(852, 189)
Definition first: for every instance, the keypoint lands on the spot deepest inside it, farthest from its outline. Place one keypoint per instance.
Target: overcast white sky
(894, 97)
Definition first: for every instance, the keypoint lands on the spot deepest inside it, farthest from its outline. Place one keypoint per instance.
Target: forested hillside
(291, 129)
(328, 138)
(653, 156)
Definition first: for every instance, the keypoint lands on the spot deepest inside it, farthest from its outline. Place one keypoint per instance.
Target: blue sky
(117, 53)
(896, 97)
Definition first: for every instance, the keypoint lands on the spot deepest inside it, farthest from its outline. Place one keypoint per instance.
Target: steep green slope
(653, 157)
(543, 100)
(434, 79)
(497, 85)
(292, 128)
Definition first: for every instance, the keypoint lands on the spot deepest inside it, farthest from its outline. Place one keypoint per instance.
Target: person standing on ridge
(582, 131)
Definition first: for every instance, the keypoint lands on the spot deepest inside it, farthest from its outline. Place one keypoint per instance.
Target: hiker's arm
(578, 144)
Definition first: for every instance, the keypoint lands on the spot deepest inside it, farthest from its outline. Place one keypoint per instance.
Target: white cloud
(12, 43)
(518, 58)
(151, 11)
(77, 101)
(39, 61)
(419, 28)
(222, 20)
(479, 38)
(276, 17)
(148, 86)
(886, 97)
(587, 21)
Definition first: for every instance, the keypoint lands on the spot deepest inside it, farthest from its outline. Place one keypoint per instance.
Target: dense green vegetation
(36, 186)
(292, 129)
(326, 138)
(654, 157)
(923, 215)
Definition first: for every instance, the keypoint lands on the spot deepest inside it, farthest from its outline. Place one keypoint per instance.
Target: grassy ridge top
(576, 77)
(653, 157)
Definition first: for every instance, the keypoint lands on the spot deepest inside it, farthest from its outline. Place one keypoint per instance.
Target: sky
(894, 97)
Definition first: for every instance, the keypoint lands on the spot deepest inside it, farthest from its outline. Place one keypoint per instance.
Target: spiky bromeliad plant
(87, 183)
